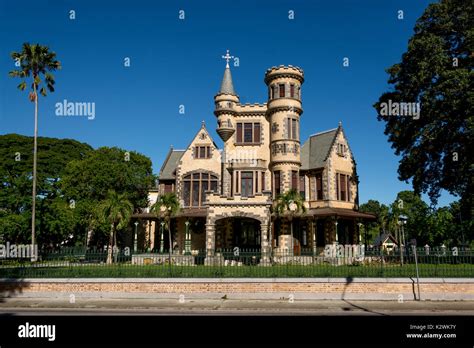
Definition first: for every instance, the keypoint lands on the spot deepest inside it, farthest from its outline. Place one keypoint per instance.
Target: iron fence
(320, 262)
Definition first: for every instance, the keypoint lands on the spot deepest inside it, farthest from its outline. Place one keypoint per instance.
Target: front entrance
(243, 233)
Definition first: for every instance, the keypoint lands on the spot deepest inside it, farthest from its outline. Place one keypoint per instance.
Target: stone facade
(262, 157)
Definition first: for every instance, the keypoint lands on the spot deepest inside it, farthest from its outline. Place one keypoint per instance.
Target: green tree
(16, 184)
(116, 210)
(166, 206)
(409, 204)
(34, 62)
(437, 72)
(383, 217)
(107, 168)
(288, 205)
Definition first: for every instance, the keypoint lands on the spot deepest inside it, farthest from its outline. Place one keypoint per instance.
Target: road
(85, 306)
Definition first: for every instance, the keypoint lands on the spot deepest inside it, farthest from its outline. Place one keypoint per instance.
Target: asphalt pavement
(128, 306)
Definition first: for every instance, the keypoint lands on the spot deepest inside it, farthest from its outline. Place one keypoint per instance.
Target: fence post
(417, 273)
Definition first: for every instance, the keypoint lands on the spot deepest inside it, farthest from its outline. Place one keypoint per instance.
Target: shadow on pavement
(349, 280)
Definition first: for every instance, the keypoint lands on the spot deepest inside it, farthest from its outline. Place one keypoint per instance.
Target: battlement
(284, 71)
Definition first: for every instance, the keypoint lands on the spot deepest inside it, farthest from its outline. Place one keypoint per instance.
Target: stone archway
(242, 232)
(259, 214)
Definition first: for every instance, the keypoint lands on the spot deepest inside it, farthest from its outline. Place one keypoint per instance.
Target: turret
(283, 113)
(225, 102)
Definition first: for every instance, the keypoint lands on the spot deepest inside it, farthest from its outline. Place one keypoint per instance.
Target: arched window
(195, 187)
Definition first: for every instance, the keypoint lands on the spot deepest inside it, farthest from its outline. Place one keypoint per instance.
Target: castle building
(227, 196)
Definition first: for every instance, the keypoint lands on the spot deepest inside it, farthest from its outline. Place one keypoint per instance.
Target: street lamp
(402, 220)
(135, 243)
(337, 239)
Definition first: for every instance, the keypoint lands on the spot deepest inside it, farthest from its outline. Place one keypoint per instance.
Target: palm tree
(166, 206)
(35, 61)
(289, 204)
(117, 210)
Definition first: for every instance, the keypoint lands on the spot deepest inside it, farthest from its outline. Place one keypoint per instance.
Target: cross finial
(227, 57)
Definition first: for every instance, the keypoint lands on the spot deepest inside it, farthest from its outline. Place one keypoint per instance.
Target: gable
(189, 162)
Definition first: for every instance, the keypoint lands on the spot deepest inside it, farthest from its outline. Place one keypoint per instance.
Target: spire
(227, 87)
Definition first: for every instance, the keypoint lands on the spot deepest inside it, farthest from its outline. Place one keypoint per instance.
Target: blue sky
(178, 62)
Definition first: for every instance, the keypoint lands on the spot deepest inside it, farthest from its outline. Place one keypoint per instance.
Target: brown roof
(186, 212)
(320, 212)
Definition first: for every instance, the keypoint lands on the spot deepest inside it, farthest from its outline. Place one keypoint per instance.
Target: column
(264, 244)
(152, 234)
(210, 239)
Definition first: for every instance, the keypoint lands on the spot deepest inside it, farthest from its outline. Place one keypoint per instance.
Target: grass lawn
(199, 271)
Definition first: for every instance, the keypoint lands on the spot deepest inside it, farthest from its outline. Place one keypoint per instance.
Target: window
(195, 187)
(302, 186)
(168, 188)
(292, 91)
(319, 187)
(294, 180)
(282, 91)
(316, 187)
(263, 182)
(292, 127)
(246, 184)
(256, 182)
(343, 187)
(276, 178)
(248, 133)
(202, 152)
(341, 149)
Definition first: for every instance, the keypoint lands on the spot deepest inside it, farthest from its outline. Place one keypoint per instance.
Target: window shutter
(239, 132)
(256, 132)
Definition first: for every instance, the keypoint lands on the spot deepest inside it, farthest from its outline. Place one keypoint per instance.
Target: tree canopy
(436, 71)
(73, 180)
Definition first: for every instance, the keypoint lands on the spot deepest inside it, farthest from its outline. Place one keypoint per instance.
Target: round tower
(283, 113)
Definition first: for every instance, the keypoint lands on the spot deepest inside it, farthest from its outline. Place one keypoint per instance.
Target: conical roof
(227, 87)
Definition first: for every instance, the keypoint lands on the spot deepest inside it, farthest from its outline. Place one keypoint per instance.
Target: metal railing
(319, 262)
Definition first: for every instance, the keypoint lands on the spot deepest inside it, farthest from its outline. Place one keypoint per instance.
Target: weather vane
(227, 57)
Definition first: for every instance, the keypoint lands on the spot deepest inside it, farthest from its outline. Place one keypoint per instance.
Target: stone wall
(392, 289)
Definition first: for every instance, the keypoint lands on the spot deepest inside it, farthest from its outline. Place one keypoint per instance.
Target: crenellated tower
(283, 113)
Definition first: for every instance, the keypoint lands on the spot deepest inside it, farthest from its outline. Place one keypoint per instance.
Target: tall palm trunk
(111, 242)
(35, 150)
